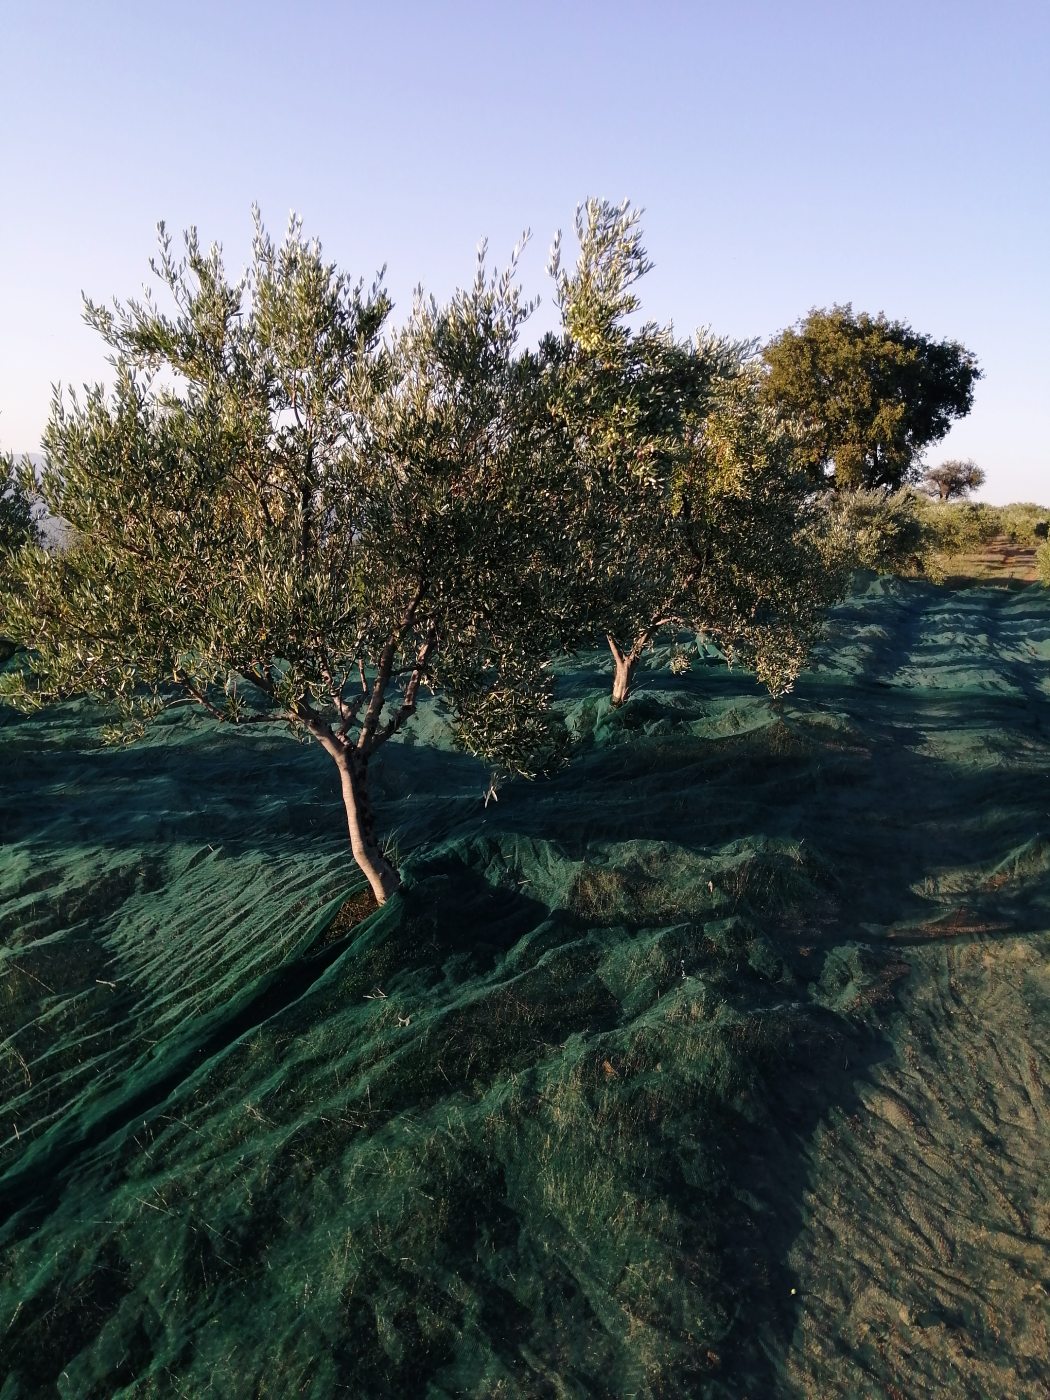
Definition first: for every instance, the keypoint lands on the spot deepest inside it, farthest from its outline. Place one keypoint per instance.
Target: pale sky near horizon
(788, 155)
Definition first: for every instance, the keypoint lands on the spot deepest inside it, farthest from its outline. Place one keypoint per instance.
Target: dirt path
(1001, 558)
(923, 1265)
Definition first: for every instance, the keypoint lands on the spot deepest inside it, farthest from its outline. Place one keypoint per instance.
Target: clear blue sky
(788, 153)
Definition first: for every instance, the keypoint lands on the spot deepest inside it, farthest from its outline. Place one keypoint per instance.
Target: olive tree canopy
(18, 524)
(287, 520)
(693, 510)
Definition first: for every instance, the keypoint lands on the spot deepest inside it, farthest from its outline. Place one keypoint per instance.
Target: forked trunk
(622, 678)
(624, 663)
(377, 870)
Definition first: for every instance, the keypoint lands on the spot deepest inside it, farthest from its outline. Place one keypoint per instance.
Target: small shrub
(888, 533)
(961, 527)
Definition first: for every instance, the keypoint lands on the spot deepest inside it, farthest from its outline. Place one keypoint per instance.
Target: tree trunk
(377, 870)
(622, 678)
(624, 673)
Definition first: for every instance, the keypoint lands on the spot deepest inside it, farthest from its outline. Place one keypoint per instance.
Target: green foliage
(18, 527)
(871, 394)
(625, 404)
(953, 479)
(1025, 523)
(690, 508)
(289, 521)
(907, 534)
(18, 523)
(206, 491)
(764, 560)
(889, 534)
(300, 504)
(1042, 560)
(961, 527)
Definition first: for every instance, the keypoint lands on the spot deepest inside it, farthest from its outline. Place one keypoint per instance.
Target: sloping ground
(714, 1066)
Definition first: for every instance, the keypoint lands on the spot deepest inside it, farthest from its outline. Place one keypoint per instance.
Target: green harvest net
(548, 1123)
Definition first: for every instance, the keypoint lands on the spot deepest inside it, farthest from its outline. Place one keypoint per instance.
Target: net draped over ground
(572, 1113)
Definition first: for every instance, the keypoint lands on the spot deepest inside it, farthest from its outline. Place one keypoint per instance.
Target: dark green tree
(19, 526)
(18, 523)
(870, 394)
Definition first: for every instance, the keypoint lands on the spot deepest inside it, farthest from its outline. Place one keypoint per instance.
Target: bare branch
(201, 698)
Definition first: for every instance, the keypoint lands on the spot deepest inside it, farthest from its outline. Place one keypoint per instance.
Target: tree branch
(386, 665)
(322, 732)
(408, 705)
(334, 690)
(201, 698)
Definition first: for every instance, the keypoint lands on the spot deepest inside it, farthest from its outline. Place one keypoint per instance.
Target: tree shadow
(847, 774)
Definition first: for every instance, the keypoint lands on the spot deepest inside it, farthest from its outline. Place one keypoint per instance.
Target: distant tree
(18, 523)
(870, 393)
(963, 527)
(286, 521)
(691, 512)
(18, 527)
(953, 480)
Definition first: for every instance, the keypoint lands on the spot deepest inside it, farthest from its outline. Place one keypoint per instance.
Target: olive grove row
(292, 511)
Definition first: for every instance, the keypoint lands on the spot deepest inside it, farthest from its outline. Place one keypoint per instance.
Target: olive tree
(693, 510)
(890, 533)
(285, 519)
(762, 559)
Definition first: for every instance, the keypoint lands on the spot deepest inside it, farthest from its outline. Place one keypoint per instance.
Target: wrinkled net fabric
(509, 1134)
